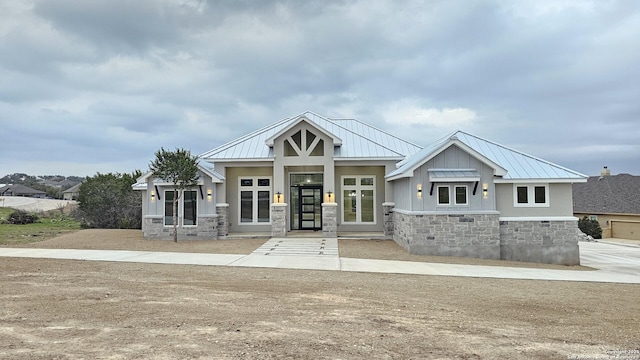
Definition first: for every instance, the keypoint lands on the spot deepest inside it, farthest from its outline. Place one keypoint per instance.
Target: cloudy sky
(99, 86)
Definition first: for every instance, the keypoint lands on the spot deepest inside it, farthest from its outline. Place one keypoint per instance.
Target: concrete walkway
(615, 263)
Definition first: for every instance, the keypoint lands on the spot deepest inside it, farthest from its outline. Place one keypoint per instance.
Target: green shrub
(590, 227)
(20, 217)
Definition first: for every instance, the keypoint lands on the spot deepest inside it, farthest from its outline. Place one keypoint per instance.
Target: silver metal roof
(518, 165)
(359, 141)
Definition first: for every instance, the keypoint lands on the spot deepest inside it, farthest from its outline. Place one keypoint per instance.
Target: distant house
(460, 196)
(612, 200)
(71, 193)
(21, 190)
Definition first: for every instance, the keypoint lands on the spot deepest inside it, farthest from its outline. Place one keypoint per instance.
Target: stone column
(387, 210)
(278, 220)
(222, 209)
(330, 220)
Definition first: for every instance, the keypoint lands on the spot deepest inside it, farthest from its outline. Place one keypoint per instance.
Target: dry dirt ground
(57, 309)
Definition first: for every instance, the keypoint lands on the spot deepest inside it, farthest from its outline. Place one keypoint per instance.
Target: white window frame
(466, 195)
(451, 189)
(531, 195)
(358, 189)
(438, 195)
(180, 208)
(255, 188)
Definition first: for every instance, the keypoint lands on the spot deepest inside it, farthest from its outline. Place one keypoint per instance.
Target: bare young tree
(179, 168)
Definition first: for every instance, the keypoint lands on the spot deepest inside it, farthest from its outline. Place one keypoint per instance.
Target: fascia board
(409, 172)
(164, 183)
(229, 160)
(139, 186)
(398, 176)
(395, 158)
(540, 181)
(215, 178)
(144, 177)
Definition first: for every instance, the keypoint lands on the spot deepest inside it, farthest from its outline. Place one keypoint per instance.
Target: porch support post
(330, 220)
(222, 209)
(387, 209)
(278, 220)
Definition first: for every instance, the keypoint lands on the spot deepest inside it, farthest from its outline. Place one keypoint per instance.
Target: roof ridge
(364, 137)
(432, 146)
(522, 153)
(387, 133)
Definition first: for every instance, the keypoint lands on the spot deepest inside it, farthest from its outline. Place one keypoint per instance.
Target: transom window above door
(303, 143)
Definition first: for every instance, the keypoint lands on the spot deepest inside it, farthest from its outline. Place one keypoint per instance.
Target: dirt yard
(55, 309)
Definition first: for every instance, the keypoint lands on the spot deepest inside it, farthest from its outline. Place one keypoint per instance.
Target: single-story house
(612, 200)
(21, 190)
(72, 192)
(460, 196)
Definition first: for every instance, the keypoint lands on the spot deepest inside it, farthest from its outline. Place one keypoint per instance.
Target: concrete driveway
(615, 258)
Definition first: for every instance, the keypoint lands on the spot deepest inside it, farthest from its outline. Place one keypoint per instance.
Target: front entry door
(310, 207)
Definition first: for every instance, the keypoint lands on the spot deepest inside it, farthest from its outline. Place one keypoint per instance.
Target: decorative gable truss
(303, 143)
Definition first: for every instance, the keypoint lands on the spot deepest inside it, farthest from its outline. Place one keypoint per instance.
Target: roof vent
(605, 172)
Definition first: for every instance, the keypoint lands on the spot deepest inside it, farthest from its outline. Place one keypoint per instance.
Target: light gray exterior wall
(233, 194)
(405, 192)
(560, 202)
(153, 210)
(475, 230)
(378, 172)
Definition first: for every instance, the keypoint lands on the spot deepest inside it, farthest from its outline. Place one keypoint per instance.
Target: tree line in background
(108, 201)
(105, 201)
(52, 185)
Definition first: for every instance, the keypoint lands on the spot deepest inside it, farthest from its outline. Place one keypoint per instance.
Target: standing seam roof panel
(367, 144)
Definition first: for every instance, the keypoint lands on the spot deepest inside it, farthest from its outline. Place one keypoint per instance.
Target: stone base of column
(330, 220)
(387, 209)
(222, 209)
(278, 220)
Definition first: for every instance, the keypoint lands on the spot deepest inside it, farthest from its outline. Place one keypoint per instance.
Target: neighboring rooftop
(19, 190)
(616, 194)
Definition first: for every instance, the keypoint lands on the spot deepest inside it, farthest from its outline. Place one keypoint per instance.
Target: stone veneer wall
(472, 235)
(278, 220)
(329, 220)
(207, 228)
(387, 210)
(551, 242)
(223, 220)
